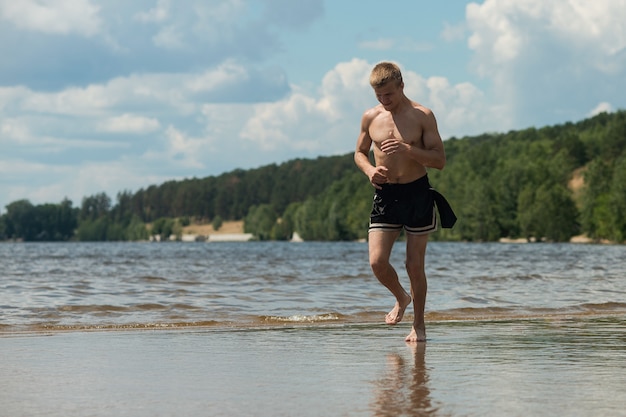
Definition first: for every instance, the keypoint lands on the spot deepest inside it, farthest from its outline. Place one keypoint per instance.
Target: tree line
(548, 183)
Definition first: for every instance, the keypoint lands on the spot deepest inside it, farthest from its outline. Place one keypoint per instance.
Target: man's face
(389, 95)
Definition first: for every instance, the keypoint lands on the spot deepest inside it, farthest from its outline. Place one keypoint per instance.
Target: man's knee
(379, 264)
(414, 265)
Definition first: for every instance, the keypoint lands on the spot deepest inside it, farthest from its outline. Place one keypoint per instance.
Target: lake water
(295, 329)
(145, 285)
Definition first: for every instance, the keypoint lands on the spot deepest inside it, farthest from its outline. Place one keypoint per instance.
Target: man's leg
(415, 261)
(380, 245)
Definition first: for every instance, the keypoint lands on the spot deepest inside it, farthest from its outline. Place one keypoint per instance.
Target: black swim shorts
(410, 206)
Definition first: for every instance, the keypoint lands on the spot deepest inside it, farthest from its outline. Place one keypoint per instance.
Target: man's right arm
(376, 175)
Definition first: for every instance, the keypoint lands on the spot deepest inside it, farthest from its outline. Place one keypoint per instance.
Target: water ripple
(104, 285)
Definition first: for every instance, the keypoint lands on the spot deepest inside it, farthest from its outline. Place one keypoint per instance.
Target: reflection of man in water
(403, 390)
(406, 140)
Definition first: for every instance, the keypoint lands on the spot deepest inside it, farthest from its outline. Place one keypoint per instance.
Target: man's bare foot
(417, 335)
(396, 314)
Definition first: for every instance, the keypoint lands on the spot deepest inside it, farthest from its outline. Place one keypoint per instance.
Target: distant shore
(574, 239)
(229, 231)
(233, 231)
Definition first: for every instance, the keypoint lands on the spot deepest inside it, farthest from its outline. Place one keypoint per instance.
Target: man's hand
(393, 145)
(378, 176)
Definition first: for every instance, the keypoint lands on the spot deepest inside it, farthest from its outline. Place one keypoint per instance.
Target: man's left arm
(433, 155)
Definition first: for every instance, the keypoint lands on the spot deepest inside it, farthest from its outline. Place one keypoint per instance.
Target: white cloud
(53, 16)
(328, 123)
(94, 177)
(47, 183)
(87, 101)
(32, 180)
(463, 109)
(14, 130)
(345, 90)
(170, 37)
(539, 54)
(603, 107)
(184, 148)
(506, 31)
(281, 124)
(19, 132)
(177, 119)
(10, 96)
(227, 74)
(452, 33)
(104, 40)
(150, 92)
(129, 123)
(157, 14)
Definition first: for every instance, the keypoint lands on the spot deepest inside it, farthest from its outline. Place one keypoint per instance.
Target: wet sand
(539, 367)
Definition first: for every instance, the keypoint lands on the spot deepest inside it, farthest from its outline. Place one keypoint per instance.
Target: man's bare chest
(388, 128)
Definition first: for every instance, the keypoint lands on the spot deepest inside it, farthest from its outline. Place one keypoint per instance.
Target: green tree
(284, 227)
(122, 211)
(136, 230)
(260, 221)
(55, 222)
(20, 220)
(217, 222)
(163, 227)
(341, 212)
(480, 213)
(3, 227)
(307, 220)
(617, 204)
(601, 215)
(93, 230)
(95, 206)
(115, 231)
(67, 220)
(548, 212)
(596, 199)
(44, 222)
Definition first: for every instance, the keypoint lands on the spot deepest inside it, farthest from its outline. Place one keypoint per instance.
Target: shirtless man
(406, 141)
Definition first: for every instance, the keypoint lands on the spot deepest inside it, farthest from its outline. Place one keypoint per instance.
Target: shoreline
(278, 324)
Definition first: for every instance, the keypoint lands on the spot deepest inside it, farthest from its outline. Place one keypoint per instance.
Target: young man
(406, 141)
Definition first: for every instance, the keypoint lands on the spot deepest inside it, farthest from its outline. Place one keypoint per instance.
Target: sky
(117, 95)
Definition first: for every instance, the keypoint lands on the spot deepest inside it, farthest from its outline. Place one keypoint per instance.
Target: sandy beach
(509, 368)
(230, 231)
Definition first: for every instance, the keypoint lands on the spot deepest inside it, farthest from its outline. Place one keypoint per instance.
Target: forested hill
(548, 183)
(230, 195)
(552, 183)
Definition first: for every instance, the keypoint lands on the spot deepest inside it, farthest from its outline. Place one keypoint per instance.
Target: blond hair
(383, 72)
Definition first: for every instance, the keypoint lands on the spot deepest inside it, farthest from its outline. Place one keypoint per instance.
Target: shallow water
(144, 285)
(572, 367)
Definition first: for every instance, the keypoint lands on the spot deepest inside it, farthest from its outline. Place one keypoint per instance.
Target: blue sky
(107, 96)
